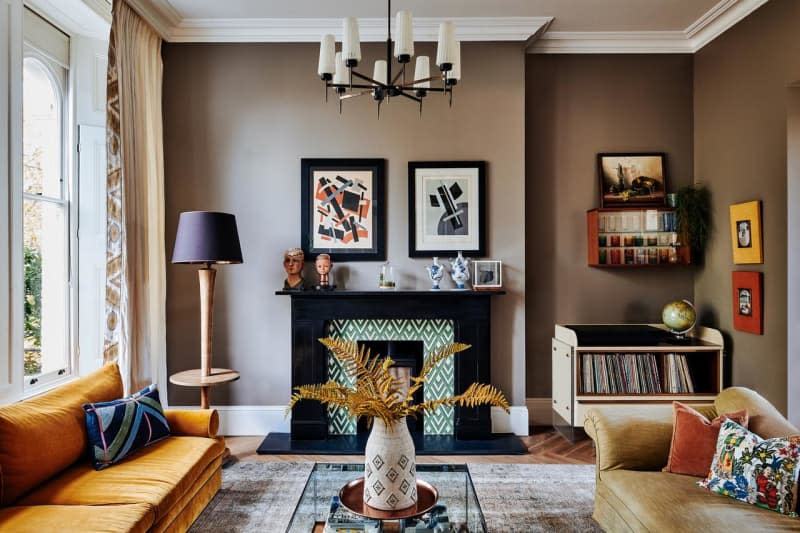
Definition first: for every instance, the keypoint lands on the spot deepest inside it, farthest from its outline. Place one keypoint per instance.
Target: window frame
(33, 385)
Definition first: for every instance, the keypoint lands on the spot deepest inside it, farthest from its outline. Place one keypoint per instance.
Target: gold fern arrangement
(378, 394)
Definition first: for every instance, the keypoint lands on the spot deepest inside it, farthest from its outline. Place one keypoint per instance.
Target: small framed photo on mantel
(446, 208)
(487, 275)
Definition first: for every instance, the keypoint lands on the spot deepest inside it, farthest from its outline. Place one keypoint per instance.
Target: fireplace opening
(408, 357)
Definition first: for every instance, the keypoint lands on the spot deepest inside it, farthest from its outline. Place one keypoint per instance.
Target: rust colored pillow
(694, 439)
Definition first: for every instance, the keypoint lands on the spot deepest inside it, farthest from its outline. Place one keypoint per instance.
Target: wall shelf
(634, 238)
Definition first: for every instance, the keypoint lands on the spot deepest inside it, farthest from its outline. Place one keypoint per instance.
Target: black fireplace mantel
(470, 312)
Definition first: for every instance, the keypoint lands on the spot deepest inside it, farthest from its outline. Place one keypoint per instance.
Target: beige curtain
(135, 334)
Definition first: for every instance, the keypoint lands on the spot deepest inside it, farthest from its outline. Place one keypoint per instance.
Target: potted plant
(693, 212)
(389, 462)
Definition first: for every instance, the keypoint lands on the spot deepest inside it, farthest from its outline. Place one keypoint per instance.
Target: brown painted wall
(740, 92)
(238, 119)
(576, 107)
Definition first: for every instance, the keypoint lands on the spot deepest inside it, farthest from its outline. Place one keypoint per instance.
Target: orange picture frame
(748, 301)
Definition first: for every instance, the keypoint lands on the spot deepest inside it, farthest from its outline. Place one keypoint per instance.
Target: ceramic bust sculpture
(293, 261)
(324, 265)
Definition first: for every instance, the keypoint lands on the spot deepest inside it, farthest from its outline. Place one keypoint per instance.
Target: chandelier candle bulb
(422, 71)
(327, 55)
(379, 74)
(340, 73)
(351, 42)
(455, 73)
(404, 45)
(445, 46)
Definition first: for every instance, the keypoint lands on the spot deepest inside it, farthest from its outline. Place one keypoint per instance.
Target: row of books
(677, 377)
(634, 373)
(620, 373)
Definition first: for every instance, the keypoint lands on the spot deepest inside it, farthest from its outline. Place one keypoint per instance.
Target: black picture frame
(636, 179)
(361, 179)
(469, 181)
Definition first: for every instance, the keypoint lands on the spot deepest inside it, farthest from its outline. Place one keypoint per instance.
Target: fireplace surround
(317, 314)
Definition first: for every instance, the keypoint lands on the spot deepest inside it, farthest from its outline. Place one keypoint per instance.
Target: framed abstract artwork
(747, 302)
(342, 209)
(636, 179)
(746, 233)
(446, 208)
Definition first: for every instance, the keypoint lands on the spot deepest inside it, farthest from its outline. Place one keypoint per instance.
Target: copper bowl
(352, 498)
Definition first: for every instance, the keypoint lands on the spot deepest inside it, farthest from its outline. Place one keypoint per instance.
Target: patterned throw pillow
(118, 428)
(753, 470)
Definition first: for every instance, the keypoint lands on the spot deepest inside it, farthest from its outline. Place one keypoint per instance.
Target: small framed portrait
(487, 275)
(636, 179)
(342, 213)
(747, 301)
(746, 233)
(446, 208)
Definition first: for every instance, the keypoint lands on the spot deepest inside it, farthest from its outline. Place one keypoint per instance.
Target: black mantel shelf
(341, 293)
(470, 312)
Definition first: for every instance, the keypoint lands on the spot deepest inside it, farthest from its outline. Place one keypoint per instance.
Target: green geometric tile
(441, 381)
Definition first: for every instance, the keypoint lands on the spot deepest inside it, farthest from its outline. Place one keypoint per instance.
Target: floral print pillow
(753, 470)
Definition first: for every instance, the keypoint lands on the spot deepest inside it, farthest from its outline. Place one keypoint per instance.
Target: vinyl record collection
(635, 373)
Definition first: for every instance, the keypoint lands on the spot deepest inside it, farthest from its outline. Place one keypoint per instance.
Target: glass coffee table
(456, 494)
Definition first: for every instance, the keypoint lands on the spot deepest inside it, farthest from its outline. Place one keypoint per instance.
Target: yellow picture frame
(746, 242)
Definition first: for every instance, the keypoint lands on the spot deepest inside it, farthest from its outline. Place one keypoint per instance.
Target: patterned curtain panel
(135, 333)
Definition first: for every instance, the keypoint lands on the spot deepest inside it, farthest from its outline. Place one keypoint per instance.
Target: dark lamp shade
(207, 237)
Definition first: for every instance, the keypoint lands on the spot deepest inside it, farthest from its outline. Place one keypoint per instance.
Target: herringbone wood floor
(545, 446)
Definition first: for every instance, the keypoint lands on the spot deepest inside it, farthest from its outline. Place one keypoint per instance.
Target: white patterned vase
(459, 271)
(435, 273)
(390, 471)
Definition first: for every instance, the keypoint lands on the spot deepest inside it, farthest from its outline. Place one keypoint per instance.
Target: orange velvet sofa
(47, 482)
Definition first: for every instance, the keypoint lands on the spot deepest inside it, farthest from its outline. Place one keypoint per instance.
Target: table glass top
(453, 482)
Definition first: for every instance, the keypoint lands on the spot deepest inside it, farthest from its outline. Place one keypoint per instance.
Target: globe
(679, 316)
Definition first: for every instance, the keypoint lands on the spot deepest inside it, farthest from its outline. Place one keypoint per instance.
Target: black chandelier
(337, 69)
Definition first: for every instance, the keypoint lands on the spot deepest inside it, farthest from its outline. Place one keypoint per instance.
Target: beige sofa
(633, 494)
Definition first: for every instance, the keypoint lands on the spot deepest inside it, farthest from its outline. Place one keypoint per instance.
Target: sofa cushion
(128, 518)
(694, 439)
(754, 470)
(42, 436)
(661, 501)
(158, 475)
(118, 428)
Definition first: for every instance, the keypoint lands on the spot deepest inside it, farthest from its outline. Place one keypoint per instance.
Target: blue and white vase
(435, 273)
(459, 271)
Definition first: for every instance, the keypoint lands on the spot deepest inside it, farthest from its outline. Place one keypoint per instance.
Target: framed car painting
(342, 210)
(747, 301)
(446, 208)
(746, 233)
(635, 179)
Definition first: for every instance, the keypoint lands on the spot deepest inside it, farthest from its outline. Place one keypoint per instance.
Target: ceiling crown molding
(304, 30)
(159, 13)
(708, 27)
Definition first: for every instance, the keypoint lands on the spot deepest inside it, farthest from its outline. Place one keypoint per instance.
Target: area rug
(262, 496)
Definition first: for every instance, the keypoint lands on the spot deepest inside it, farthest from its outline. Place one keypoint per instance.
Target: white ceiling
(569, 15)
(546, 26)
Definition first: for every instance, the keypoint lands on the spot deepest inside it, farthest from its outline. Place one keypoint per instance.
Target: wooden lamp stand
(205, 377)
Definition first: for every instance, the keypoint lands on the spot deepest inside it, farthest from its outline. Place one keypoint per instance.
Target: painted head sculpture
(293, 261)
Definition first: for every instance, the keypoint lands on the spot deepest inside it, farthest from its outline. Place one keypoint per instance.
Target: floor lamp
(206, 238)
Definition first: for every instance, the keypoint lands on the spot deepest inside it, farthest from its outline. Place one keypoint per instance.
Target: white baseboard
(515, 422)
(246, 420)
(540, 411)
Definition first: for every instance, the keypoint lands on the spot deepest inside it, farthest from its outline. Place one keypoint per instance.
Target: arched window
(45, 224)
